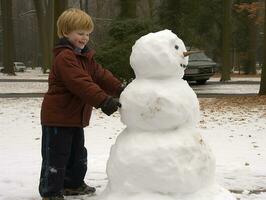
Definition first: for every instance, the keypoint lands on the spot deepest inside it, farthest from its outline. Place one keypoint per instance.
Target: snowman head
(159, 55)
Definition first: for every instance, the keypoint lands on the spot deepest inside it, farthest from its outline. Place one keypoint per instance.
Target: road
(235, 88)
(15, 88)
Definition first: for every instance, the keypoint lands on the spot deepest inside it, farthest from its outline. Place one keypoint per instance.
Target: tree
(226, 38)
(45, 17)
(253, 9)
(147, 8)
(8, 37)
(123, 32)
(252, 47)
(59, 7)
(84, 5)
(99, 7)
(262, 90)
(170, 15)
(128, 9)
(197, 23)
(253, 20)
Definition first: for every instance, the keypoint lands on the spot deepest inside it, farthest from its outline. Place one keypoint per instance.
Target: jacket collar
(65, 43)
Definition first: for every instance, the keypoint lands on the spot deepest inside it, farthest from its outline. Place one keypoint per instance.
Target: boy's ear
(65, 34)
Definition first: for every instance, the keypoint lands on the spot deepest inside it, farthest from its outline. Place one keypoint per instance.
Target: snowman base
(214, 192)
(167, 165)
(165, 162)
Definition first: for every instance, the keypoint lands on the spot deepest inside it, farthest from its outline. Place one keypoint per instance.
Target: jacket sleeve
(106, 80)
(77, 80)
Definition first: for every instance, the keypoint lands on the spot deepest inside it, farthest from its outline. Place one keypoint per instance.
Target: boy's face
(78, 38)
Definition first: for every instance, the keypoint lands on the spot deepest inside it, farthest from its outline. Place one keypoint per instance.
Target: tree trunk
(50, 23)
(99, 6)
(150, 3)
(84, 5)
(263, 71)
(8, 37)
(226, 48)
(81, 5)
(128, 9)
(252, 47)
(59, 7)
(170, 12)
(45, 24)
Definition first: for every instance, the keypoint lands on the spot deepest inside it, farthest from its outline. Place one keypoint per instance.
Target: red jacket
(76, 84)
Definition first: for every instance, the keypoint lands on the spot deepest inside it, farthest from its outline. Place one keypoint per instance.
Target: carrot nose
(190, 52)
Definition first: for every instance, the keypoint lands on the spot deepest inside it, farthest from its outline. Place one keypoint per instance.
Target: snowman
(160, 155)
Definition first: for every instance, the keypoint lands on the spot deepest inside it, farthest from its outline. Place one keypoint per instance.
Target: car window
(19, 64)
(199, 56)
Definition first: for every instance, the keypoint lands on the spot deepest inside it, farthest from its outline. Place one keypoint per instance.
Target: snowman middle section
(160, 151)
(159, 104)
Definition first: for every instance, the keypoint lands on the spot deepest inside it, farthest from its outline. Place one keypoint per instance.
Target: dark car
(200, 68)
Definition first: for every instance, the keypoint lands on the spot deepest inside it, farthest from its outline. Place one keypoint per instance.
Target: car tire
(201, 82)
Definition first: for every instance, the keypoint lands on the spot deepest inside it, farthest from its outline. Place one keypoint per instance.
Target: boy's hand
(110, 105)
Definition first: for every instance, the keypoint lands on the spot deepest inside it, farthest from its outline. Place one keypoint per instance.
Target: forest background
(231, 32)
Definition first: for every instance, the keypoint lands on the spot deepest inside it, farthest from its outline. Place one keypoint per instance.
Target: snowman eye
(182, 65)
(176, 47)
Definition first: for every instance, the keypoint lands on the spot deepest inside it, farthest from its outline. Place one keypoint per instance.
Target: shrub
(114, 54)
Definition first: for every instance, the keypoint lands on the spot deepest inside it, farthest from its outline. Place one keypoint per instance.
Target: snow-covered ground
(234, 127)
(236, 134)
(28, 74)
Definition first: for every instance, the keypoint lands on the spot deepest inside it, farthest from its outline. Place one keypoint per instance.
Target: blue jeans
(64, 163)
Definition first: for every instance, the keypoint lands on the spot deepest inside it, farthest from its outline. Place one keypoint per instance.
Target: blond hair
(73, 19)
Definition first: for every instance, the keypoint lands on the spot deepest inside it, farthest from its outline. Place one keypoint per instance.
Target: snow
(23, 87)
(147, 105)
(171, 169)
(227, 88)
(246, 163)
(236, 135)
(234, 128)
(155, 50)
(30, 74)
(161, 153)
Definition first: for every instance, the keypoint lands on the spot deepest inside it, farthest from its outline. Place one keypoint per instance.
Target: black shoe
(53, 198)
(84, 189)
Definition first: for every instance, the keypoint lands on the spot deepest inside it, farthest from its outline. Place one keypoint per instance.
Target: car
(19, 67)
(200, 68)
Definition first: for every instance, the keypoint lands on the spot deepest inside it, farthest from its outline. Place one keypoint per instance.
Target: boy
(76, 84)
